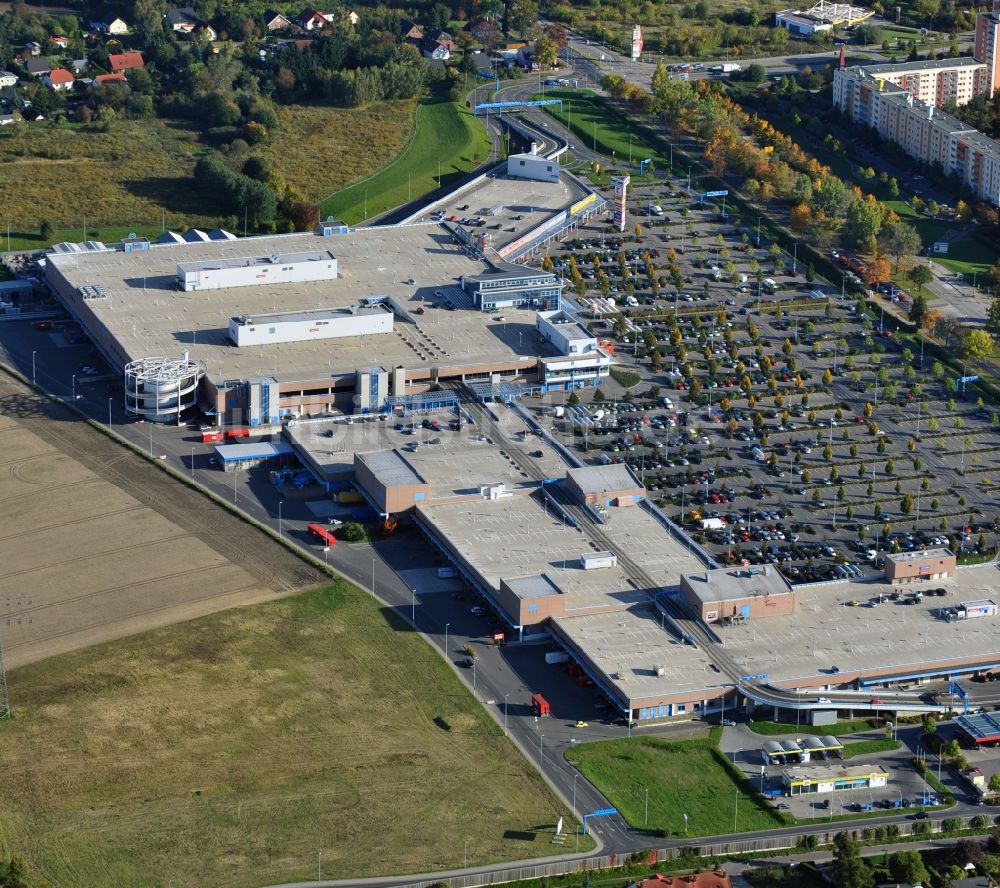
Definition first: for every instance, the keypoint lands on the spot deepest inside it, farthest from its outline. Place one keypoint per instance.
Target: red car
(42, 325)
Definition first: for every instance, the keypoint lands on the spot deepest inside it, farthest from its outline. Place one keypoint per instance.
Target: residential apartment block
(987, 45)
(935, 82)
(929, 135)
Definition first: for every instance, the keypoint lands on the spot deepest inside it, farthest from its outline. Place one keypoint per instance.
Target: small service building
(605, 486)
(913, 567)
(737, 594)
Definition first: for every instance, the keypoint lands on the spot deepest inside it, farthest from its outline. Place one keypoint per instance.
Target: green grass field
(446, 140)
(600, 128)
(683, 777)
(233, 749)
(869, 747)
(839, 729)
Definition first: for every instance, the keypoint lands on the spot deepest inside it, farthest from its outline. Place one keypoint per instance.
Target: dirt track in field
(97, 543)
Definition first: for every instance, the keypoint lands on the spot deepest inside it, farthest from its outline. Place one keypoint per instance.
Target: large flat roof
(148, 315)
(318, 314)
(826, 631)
(922, 555)
(981, 728)
(522, 536)
(533, 202)
(458, 465)
(630, 646)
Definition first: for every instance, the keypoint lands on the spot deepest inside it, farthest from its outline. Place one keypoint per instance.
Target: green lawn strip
(868, 747)
(232, 748)
(682, 777)
(838, 729)
(625, 378)
(446, 138)
(599, 127)
(968, 256)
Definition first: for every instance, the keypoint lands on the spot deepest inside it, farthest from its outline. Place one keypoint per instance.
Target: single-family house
(435, 51)
(38, 67)
(7, 79)
(110, 24)
(311, 20)
(410, 31)
(125, 61)
(61, 42)
(443, 37)
(117, 77)
(33, 48)
(7, 119)
(275, 21)
(59, 79)
(184, 20)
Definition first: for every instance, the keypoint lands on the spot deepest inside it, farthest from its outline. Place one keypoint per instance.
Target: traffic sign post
(600, 812)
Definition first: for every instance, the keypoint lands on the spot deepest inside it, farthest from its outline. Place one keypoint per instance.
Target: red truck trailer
(322, 534)
(211, 437)
(232, 434)
(540, 705)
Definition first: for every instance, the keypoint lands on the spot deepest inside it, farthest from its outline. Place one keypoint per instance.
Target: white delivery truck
(712, 524)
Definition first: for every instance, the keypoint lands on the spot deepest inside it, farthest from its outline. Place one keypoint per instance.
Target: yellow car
(582, 724)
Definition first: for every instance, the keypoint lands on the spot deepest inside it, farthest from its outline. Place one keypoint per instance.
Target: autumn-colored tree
(800, 218)
(878, 270)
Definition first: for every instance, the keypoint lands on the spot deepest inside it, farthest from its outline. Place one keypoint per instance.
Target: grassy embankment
(447, 141)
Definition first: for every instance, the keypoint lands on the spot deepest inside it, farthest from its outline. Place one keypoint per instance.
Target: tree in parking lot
(920, 275)
(929, 724)
(977, 344)
(901, 241)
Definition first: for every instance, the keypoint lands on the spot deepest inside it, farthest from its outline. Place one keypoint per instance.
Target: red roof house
(125, 61)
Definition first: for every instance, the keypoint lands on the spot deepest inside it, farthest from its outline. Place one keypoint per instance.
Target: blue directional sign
(601, 812)
(715, 194)
(759, 677)
(512, 106)
(964, 379)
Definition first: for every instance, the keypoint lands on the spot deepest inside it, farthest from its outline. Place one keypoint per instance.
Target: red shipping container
(211, 437)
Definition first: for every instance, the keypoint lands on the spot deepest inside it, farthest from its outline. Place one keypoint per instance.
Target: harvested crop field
(98, 544)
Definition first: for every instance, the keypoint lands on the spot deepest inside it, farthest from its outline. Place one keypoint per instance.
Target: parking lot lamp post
(74, 392)
(899, 792)
(33, 366)
(446, 625)
(109, 414)
(280, 504)
(758, 229)
(192, 463)
(505, 696)
(795, 258)
(473, 678)
(645, 809)
(577, 774)
(541, 750)
(736, 809)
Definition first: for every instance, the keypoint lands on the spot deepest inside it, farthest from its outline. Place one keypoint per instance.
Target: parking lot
(779, 418)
